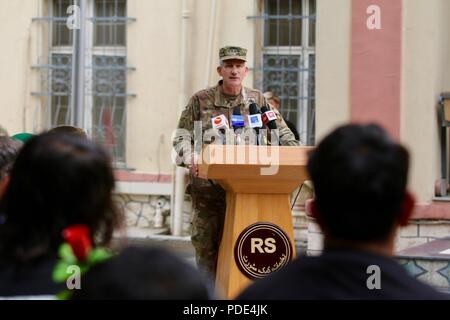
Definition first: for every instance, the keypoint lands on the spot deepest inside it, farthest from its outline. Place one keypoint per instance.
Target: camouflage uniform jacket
(211, 102)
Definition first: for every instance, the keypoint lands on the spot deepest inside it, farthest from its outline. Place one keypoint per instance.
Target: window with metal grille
(101, 107)
(108, 30)
(286, 60)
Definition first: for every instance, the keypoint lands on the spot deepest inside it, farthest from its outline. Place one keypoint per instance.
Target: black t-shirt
(340, 274)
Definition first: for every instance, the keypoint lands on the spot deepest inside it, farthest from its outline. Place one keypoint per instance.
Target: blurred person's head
(8, 152)
(3, 132)
(69, 130)
(360, 178)
(57, 180)
(140, 273)
(272, 99)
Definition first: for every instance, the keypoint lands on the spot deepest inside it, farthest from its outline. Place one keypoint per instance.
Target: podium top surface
(254, 155)
(234, 165)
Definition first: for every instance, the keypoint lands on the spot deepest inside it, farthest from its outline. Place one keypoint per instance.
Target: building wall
(154, 41)
(424, 64)
(416, 233)
(426, 61)
(333, 44)
(153, 48)
(16, 78)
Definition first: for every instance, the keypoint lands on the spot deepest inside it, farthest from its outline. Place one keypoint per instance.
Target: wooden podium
(256, 192)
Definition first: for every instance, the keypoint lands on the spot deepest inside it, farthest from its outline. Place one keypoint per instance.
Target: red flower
(79, 238)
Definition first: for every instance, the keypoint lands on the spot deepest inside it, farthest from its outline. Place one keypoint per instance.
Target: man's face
(233, 72)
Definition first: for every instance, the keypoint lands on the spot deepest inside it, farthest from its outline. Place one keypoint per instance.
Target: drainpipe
(212, 25)
(180, 172)
(78, 65)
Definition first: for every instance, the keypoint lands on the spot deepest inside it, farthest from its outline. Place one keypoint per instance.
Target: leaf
(66, 254)
(60, 271)
(64, 295)
(98, 255)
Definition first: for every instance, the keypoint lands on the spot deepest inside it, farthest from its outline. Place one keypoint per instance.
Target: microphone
(237, 120)
(254, 118)
(269, 118)
(220, 122)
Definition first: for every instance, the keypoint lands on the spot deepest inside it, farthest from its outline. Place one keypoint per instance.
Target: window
(61, 74)
(104, 72)
(287, 61)
(109, 31)
(61, 35)
(108, 114)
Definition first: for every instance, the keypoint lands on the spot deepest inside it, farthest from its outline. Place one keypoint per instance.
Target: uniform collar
(221, 101)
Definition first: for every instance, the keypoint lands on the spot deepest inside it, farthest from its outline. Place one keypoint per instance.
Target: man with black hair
(360, 178)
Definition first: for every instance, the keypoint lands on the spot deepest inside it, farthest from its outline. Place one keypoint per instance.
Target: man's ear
(406, 209)
(4, 182)
(219, 70)
(245, 71)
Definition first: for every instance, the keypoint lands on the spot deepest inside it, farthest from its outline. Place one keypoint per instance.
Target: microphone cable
(299, 189)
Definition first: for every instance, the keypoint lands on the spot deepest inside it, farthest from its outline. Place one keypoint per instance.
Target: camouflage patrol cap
(229, 52)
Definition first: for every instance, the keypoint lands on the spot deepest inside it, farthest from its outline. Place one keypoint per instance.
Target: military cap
(229, 52)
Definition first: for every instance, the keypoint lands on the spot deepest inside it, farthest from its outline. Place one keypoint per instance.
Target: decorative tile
(414, 269)
(445, 272)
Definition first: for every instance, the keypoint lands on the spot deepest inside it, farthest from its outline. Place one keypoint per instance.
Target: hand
(193, 166)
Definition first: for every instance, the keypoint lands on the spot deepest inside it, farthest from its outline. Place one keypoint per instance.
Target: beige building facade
(144, 59)
(141, 61)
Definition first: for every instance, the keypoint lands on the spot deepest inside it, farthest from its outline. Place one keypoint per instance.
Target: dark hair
(360, 178)
(140, 273)
(69, 130)
(8, 152)
(57, 180)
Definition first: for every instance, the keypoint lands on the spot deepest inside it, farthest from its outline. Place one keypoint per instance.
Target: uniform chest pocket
(208, 113)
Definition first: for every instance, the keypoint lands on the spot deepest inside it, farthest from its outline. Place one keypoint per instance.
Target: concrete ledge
(180, 245)
(144, 188)
(433, 210)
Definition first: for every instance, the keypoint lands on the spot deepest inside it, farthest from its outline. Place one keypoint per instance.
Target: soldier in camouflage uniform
(208, 197)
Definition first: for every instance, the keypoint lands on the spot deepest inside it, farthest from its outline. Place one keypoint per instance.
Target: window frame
(305, 128)
(90, 52)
